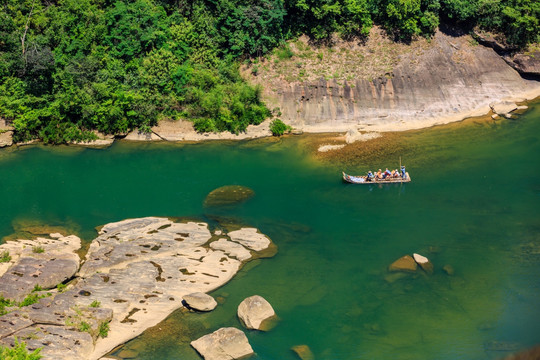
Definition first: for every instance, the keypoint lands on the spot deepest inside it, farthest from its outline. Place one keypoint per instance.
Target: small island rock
(228, 195)
(405, 263)
(223, 344)
(200, 301)
(253, 311)
(424, 263)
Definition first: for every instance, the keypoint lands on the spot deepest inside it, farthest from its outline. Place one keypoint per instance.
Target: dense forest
(68, 67)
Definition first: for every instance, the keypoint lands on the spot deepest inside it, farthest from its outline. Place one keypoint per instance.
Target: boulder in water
(223, 344)
(405, 263)
(228, 195)
(253, 311)
(200, 301)
(424, 263)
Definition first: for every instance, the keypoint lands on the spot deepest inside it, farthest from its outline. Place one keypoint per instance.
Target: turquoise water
(473, 205)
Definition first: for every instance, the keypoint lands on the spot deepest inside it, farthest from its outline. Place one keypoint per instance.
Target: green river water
(473, 204)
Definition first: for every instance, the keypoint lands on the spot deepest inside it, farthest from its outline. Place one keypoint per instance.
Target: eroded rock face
(135, 274)
(253, 311)
(200, 301)
(405, 263)
(228, 195)
(448, 81)
(223, 344)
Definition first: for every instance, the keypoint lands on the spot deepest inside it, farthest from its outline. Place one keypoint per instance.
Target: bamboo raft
(363, 179)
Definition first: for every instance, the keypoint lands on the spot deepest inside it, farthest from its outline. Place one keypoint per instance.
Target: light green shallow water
(473, 204)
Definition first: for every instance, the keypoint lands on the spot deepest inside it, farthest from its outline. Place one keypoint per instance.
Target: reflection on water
(468, 209)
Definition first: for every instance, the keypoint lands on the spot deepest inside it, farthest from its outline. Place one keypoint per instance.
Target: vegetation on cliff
(70, 67)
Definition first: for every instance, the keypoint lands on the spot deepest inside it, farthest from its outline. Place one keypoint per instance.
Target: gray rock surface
(200, 301)
(29, 267)
(253, 311)
(223, 344)
(135, 273)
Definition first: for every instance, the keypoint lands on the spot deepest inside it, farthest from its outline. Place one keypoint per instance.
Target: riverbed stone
(200, 301)
(405, 263)
(223, 344)
(250, 238)
(253, 311)
(424, 263)
(449, 269)
(228, 195)
(503, 108)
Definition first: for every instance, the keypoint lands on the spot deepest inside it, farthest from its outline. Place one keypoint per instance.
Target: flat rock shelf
(134, 275)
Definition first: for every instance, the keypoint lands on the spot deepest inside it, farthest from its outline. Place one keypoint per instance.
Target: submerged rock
(228, 195)
(449, 269)
(303, 352)
(405, 263)
(223, 344)
(200, 301)
(253, 311)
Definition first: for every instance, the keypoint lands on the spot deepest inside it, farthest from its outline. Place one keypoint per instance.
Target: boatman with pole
(403, 173)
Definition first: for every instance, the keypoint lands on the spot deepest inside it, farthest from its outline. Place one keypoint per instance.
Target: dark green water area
(473, 205)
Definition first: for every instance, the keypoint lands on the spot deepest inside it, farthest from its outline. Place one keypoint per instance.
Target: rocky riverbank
(135, 273)
(377, 86)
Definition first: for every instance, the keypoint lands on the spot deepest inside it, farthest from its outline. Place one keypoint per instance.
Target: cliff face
(450, 80)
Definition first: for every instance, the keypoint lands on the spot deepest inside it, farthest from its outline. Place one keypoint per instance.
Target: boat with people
(379, 177)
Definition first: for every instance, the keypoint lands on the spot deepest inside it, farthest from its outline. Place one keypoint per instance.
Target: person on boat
(403, 173)
(379, 174)
(370, 176)
(396, 173)
(387, 173)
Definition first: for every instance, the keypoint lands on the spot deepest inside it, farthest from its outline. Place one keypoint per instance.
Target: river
(472, 206)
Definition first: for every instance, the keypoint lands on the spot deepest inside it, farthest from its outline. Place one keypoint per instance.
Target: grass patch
(38, 249)
(84, 326)
(284, 52)
(95, 304)
(61, 287)
(19, 352)
(5, 257)
(103, 330)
